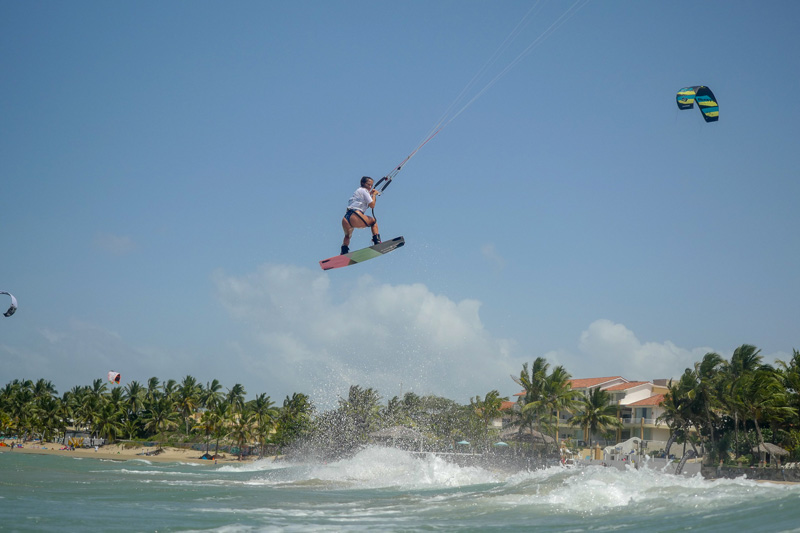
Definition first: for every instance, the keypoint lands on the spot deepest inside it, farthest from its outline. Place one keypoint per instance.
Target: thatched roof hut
(526, 435)
(400, 437)
(770, 448)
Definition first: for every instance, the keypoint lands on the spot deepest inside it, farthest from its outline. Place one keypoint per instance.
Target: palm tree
(596, 413)
(706, 390)
(116, 397)
(44, 388)
(71, 405)
(764, 395)
(745, 360)
(99, 387)
(49, 411)
(678, 410)
(160, 416)
(265, 418)
(108, 420)
(412, 405)
(557, 396)
(445, 419)
(530, 402)
(152, 389)
(134, 396)
(188, 398)
(791, 381)
(212, 395)
(220, 419)
(235, 397)
(487, 409)
(359, 414)
(169, 387)
(130, 426)
(89, 407)
(394, 414)
(293, 419)
(241, 429)
(7, 425)
(206, 425)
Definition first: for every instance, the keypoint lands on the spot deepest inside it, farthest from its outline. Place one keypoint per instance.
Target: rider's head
(366, 181)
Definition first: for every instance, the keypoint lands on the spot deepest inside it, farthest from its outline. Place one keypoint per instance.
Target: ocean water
(379, 489)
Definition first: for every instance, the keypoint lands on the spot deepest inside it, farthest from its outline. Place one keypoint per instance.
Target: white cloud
(304, 334)
(372, 334)
(298, 330)
(607, 348)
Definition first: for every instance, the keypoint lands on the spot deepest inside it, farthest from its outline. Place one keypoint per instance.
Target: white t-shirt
(360, 200)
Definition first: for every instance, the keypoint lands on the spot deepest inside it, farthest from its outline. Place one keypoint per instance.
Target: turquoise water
(377, 490)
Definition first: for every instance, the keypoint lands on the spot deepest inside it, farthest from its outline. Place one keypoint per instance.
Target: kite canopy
(13, 308)
(705, 99)
(114, 377)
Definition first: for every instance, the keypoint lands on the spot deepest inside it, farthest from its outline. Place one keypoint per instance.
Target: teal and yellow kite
(703, 97)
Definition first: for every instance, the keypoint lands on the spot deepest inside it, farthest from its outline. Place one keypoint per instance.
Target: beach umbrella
(501, 443)
(463, 442)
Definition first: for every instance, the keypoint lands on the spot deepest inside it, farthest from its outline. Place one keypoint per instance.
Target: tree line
(730, 406)
(180, 412)
(733, 406)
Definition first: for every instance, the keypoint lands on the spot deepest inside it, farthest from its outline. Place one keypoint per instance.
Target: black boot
(376, 239)
(345, 249)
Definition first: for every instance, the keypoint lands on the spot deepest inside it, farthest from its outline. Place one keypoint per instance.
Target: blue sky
(172, 172)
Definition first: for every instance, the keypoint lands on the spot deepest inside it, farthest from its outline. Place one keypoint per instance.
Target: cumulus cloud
(607, 348)
(292, 329)
(395, 338)
(304, 332)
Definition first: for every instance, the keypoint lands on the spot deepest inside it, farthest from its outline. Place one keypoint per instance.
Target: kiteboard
(365, 254)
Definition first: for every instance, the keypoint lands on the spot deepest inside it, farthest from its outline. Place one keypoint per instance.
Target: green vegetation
(729, 406)
(162, 411)
(734, 406)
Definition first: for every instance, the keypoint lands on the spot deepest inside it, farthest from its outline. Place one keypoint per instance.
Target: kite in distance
(703, 97)
(114, 377)
(13, 308)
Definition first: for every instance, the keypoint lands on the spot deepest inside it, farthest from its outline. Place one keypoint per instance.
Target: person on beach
(362, 199)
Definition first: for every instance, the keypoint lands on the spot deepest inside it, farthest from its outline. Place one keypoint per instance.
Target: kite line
(449, 116)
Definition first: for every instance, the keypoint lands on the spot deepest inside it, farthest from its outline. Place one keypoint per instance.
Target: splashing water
(377, 489)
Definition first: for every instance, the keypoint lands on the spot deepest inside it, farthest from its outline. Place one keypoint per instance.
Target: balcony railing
(637, 421)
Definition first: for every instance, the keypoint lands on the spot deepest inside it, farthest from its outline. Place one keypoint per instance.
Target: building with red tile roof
(638, 408)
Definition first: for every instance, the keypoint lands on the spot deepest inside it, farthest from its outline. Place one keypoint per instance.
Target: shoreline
(116, 452)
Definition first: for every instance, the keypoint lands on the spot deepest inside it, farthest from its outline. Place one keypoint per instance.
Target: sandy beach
(116, 452)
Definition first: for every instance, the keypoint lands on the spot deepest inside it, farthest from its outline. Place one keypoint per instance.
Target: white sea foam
(253, 466)
(378, 467)
(597, 489)
(158, 473)
(391, 490)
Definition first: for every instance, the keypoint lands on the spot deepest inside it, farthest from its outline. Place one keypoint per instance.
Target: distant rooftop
(591, 382)
(626, 386)
(652, 401)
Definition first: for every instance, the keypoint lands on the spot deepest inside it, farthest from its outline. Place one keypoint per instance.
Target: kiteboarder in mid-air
(362, 199)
